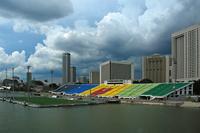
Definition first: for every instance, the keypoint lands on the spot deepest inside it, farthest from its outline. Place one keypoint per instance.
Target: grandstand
(92, 90)
(75, 89)
(115, 90)
(164, 90)
(149, 90)
(136, 90)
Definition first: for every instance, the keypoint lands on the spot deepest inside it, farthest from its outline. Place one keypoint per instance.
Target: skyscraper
(186, 54)
(157, 68)
(94, 77)
(72, 74)
(116, 70)
(66, 68)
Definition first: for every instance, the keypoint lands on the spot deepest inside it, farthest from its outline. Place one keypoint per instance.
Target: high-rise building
(66, 68)
(94, 77)
(157, 68)
(116, 70)
(72, 74)
(83, 79)
(28, 77)
(186, 54)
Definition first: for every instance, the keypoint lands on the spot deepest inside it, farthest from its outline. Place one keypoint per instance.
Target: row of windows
(154, 69)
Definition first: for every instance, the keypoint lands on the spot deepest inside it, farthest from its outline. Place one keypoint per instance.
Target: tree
(146, 81)
(196, 87)
(135, 81)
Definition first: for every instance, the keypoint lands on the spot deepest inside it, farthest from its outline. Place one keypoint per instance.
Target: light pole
(28, 81)
(6, 81)
(52, 71)
(13, 74)
(175, 72)
(6, 73)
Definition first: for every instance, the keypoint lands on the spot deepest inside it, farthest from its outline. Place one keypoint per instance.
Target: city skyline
(93, 31)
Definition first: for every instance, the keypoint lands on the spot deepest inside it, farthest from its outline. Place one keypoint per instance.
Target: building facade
(72, 74)
(186, 54)
(66, 68)
(94, 77)
(157, 68)
(83, 79)
(116, 70)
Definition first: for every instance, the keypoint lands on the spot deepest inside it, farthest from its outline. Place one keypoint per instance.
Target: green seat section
(143, 88)
(137, 89)
(164, 89)
(127, 90)
(127, 93)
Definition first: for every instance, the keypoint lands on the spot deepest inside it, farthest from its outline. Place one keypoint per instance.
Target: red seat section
(101, 91)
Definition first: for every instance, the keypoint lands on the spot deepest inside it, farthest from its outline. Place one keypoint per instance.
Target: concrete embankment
(191, 105)
(49, 106)
(165, 103)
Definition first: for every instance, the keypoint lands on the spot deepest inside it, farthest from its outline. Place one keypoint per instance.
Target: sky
(36, 32)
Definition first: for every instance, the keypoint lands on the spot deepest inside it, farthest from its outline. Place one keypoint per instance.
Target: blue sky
(37, 32)
(18, 41)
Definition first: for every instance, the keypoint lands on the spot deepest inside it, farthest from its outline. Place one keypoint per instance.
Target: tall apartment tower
(186, 54)
(66, 68)
(83, 79)
(94, 77)
(72, 74)
(157, 68)
(28, 75)
(116, 70)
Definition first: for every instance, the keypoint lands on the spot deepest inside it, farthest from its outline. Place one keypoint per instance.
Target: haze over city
(93, 31)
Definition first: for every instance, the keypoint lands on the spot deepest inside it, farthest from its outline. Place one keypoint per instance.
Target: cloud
(139, 28)
(15, 59)
(117, 36)
(37, 10)
(44, 58)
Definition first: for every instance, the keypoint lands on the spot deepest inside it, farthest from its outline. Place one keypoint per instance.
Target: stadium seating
(115, 93)
(164, 89)
(65, 88)
(113, 88)
(142, 89)
(101, 91)
(92, 90)
(125, 91)
(112, 92)
(122, 90)
(80, 88)
(70, 89)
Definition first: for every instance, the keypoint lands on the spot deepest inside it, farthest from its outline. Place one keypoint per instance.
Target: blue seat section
(66, 88)
(70, 89)
(61, 88)
(80, 88)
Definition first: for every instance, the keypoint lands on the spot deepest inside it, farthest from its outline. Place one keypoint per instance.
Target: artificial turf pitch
(47, 100)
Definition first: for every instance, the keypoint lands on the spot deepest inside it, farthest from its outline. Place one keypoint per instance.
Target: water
(99, 119)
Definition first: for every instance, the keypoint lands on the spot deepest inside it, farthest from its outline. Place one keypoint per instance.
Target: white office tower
(186, 54)
(66, 68)
(116, 70)
(157, 68)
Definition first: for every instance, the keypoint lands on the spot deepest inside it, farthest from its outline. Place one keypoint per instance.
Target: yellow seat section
(121, 89)
(114, 87)
(87, 92)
